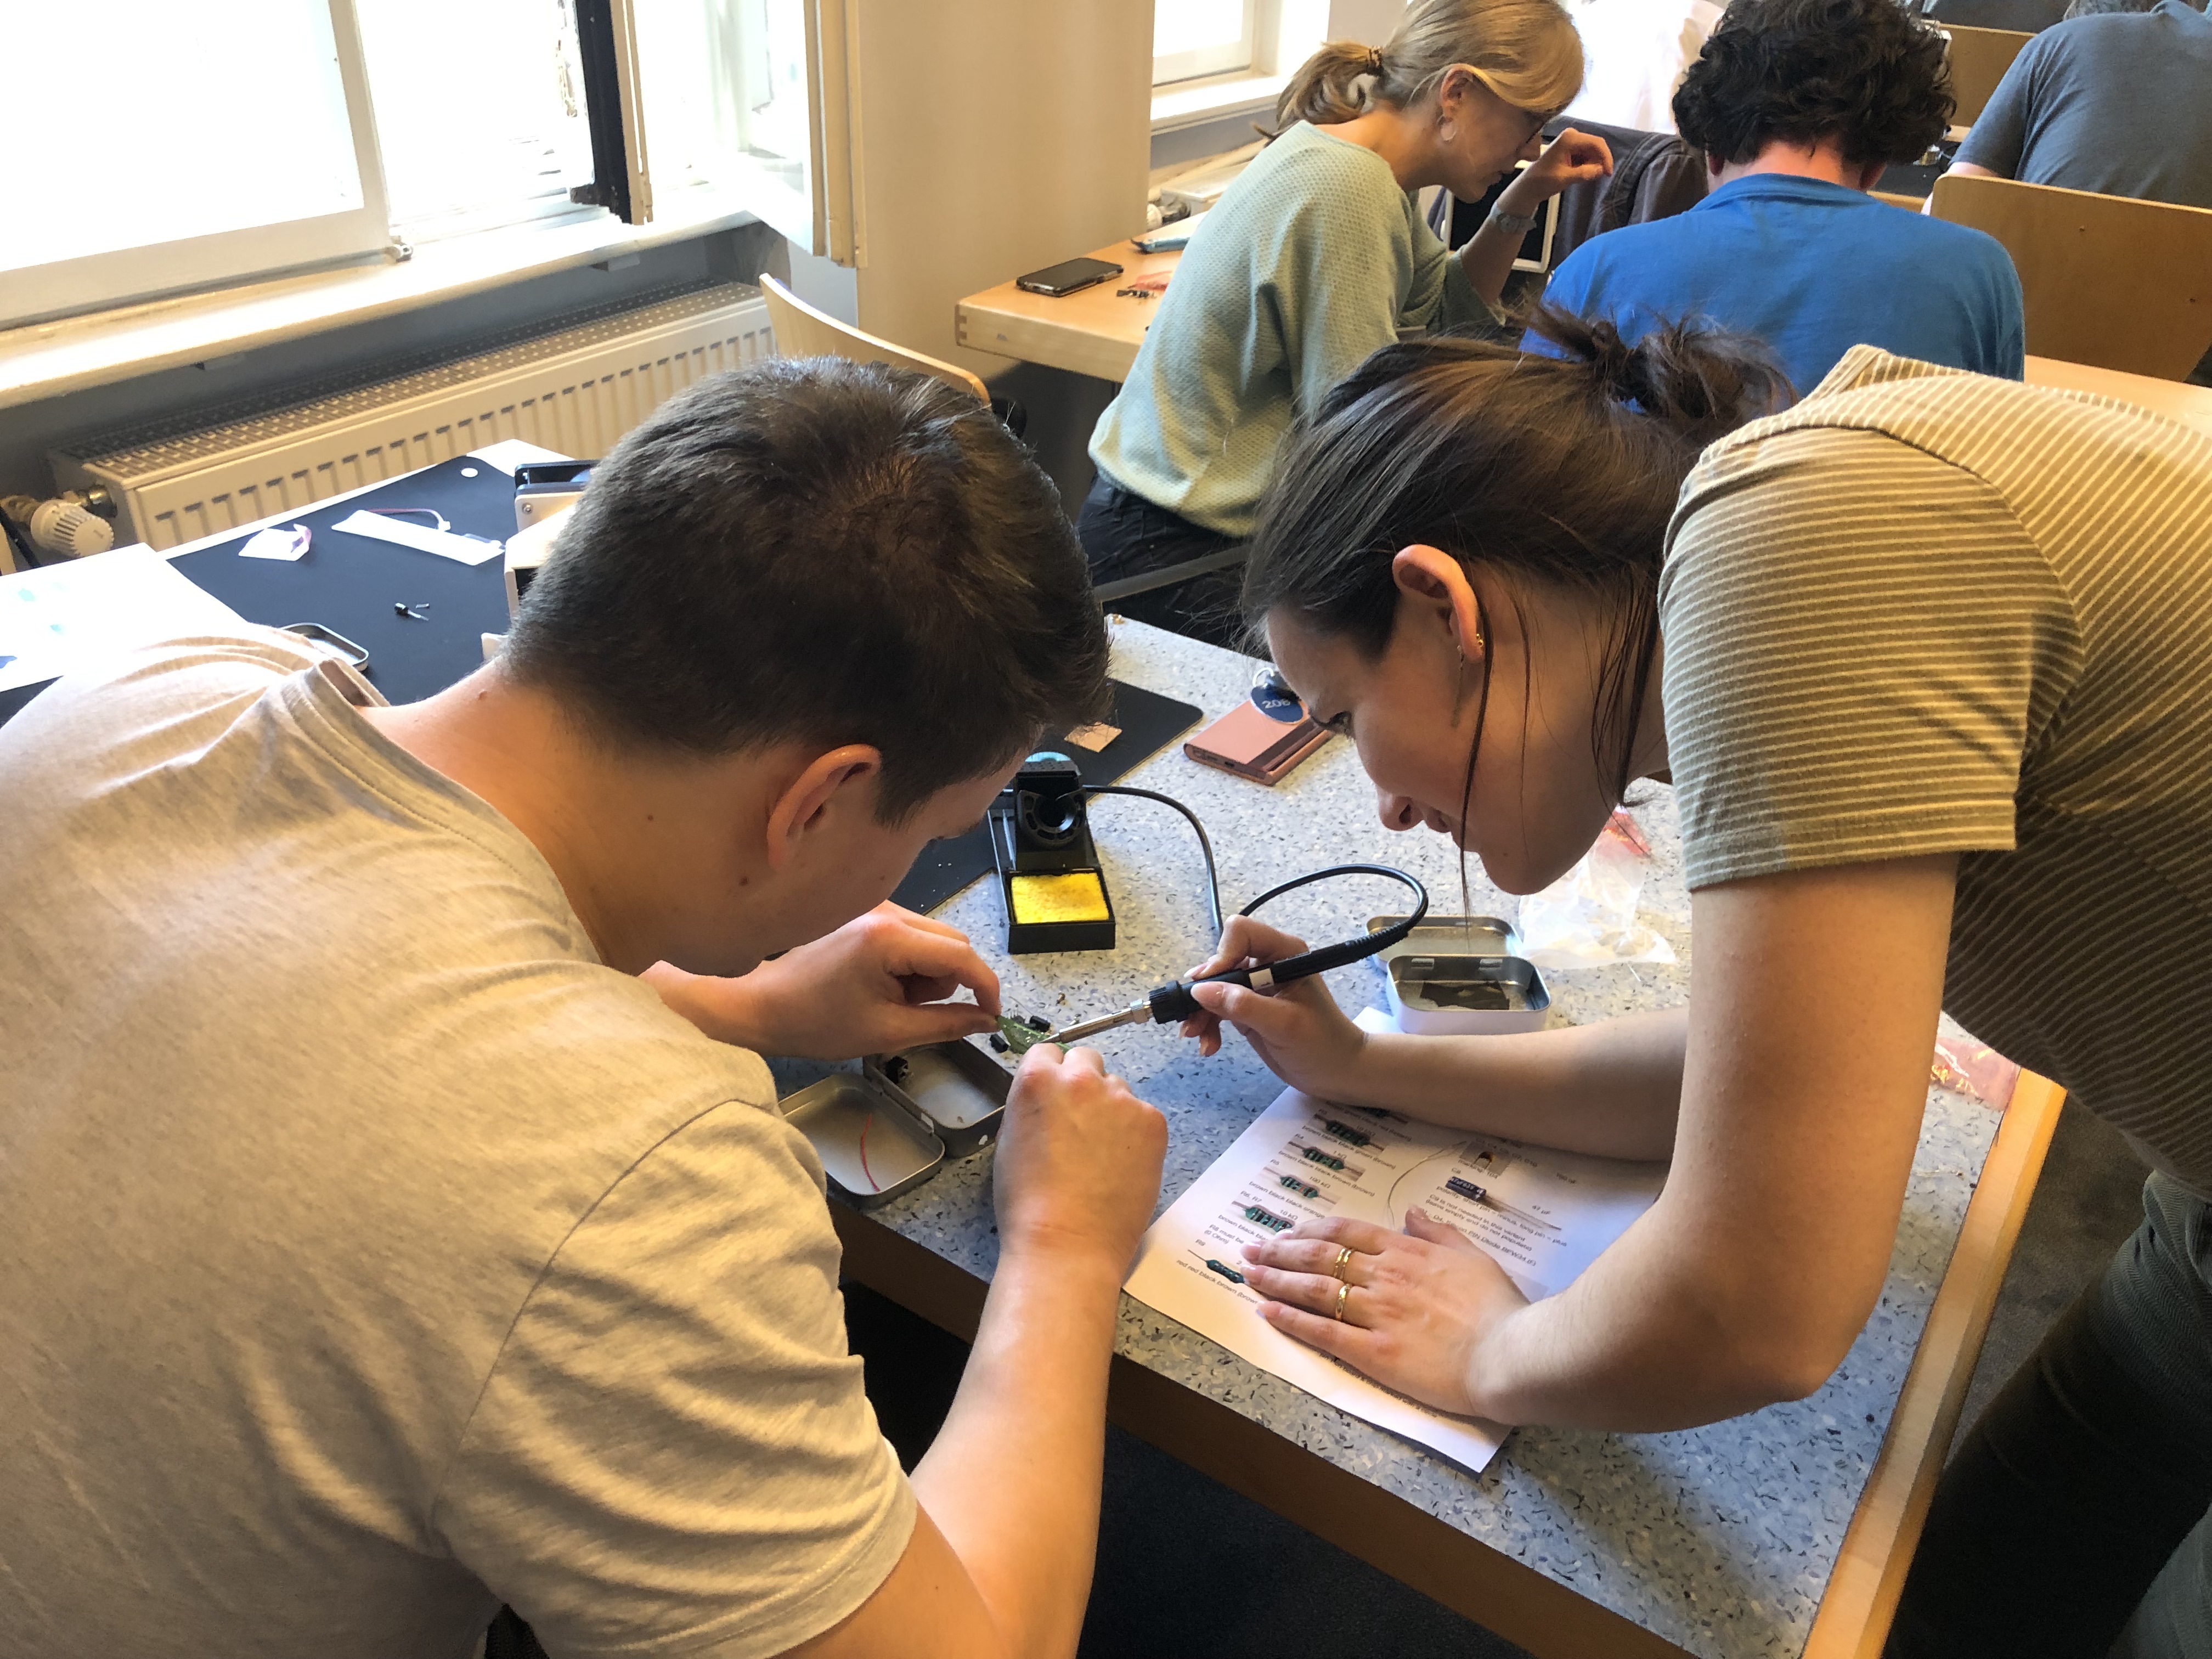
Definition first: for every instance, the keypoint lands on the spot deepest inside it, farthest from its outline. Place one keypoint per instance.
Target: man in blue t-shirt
(2120, 104)
(1799, 105)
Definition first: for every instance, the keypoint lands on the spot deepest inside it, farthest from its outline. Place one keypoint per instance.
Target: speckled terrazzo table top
(1719, 1540)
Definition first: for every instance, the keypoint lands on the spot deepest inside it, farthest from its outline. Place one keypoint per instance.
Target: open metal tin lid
(873, 1144)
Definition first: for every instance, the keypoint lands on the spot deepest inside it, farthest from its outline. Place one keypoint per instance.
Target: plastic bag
(1587, 918)
(1972, 1068)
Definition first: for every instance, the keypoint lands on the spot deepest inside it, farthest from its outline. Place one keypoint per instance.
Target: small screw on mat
(412, 612)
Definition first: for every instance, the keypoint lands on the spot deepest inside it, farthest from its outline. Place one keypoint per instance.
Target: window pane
(479, 108)
(726, 95)
(199, 127)
(1180, 26)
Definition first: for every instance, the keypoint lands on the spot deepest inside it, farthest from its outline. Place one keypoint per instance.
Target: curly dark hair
(1865, 73)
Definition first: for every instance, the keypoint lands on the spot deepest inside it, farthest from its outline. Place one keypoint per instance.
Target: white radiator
(574, 390)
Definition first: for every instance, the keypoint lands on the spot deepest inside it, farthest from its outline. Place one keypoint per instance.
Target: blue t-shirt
(2118, 102)
(1812, 269)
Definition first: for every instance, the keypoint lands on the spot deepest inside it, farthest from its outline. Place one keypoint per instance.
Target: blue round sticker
(1274, 699)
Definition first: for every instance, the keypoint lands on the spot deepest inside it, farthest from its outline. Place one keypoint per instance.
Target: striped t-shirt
(1927, 612)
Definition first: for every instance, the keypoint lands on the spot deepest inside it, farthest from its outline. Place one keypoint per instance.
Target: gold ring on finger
(1342, 1291)
(1336, 1268)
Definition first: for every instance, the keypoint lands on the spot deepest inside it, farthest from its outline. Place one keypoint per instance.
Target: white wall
(998, 136)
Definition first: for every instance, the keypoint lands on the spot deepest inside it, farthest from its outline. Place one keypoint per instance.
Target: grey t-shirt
(2118, 102)
(370, 1253)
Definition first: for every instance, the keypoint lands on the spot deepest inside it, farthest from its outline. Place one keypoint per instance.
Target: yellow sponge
(1078, 896)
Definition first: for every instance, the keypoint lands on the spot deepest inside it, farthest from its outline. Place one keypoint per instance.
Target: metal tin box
(957, 1088)
(1463, 994)
(1473, 961)
(873, 1144)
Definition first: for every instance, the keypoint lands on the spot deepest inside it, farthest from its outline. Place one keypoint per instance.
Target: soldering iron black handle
(1174, 1002)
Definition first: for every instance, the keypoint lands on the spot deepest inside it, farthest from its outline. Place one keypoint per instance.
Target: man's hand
(1421, 1305)
(876, 984)
(1078, 1167)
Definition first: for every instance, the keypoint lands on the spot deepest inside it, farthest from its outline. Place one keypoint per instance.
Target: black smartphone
(1068, 277)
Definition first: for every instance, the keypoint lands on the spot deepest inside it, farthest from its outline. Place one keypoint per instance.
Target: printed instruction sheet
(1543, 1215)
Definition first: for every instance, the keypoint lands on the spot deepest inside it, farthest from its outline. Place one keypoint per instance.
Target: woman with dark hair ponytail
(1316, 256)
(1928, 659)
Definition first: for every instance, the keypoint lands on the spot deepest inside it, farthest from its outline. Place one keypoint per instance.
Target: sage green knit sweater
(1312, 259)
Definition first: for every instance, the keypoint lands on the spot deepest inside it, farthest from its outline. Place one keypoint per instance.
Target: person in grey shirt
(2119, 103)
(396, 1217)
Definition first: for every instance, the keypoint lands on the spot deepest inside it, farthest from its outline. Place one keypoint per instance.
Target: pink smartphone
(1254, 745)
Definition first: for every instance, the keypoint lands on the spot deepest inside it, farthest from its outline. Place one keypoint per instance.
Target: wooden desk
(1095, 332)
(2175, 399)
(1782, 1533)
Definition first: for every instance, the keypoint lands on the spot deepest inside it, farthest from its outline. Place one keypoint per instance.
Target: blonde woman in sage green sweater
(1315, 257)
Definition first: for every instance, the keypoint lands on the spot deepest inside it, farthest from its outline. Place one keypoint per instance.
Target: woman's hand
(1419, 1306)
(877, 983)
(1299, 1030)
(1572, 158)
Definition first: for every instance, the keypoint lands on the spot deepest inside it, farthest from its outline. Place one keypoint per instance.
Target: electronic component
(1019, 1033)
(1327, 1160)
(1303, 1188)
(1224, 1270)
(1478, 1195)
(1347, 1133)
(1268, 1218)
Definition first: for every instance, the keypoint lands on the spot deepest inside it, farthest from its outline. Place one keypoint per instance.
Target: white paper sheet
(288, 542)
(406, 533)
(61, 617)
(508, 453)
(1547, 1215)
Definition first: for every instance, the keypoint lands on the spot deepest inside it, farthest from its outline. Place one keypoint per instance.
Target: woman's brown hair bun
(1699, 380)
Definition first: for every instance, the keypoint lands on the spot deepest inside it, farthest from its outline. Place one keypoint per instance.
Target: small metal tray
(873, 1145)
(1492, 945)
(1458, 993)
(955, 1087)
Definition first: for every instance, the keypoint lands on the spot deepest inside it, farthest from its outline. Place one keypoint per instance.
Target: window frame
(1199, 62)
(121, 277)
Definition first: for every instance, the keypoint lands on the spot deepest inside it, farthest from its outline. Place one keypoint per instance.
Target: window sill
(1191, 103)
(45, 360)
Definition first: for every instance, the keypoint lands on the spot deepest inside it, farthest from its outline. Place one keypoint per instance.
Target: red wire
(874, 1185)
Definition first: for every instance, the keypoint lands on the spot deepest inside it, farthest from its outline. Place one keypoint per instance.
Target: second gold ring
(1342, 1291)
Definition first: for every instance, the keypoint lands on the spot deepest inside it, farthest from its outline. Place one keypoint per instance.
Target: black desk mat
(350, 583)
(1148, 723)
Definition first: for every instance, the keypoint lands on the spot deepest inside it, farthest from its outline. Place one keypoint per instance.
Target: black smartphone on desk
(1069, 277)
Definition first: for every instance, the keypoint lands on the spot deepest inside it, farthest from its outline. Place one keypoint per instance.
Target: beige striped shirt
(1925, 611)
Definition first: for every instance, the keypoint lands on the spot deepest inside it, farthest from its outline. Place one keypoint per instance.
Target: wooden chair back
(2108, 280)
(1979, 58)
(803, 331)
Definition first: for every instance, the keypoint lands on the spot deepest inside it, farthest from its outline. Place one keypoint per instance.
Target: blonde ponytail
(1527, 51)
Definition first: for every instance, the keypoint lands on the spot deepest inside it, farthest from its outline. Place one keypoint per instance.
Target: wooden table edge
(1483, 1583)
(1855, 1615)
(1395, 1537)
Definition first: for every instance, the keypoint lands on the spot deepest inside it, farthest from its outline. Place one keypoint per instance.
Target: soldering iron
(1173, 1002)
